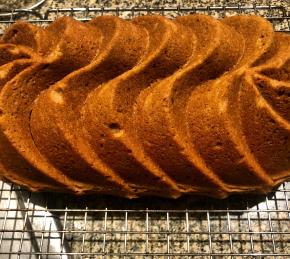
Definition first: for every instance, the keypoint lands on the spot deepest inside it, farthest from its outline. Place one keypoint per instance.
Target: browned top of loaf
(264, 111)
(150, 106)
(110, 107)
(17, 96)
(122, 46)
(217, 105)
(160, 99)
(13, 59)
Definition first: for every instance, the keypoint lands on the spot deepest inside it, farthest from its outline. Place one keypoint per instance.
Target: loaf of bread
(150, 106)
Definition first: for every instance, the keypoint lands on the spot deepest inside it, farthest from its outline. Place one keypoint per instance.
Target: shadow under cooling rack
(48, 225)
(42, 225)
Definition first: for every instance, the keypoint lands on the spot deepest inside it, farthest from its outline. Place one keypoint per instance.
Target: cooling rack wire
(61, 226)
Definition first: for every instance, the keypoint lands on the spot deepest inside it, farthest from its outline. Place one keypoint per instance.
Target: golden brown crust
(121, 48)
(110, 107)
(163, 106)
(17, 96)
(264, 109)
(150, 106)
(225, 148)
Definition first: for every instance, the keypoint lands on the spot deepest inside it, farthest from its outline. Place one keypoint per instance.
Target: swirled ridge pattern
(148, 106)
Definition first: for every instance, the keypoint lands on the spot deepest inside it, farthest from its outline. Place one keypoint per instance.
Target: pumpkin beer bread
(148, 106)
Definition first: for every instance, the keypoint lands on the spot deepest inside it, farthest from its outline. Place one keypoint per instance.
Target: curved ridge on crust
(224, 147)
(146, 107)
(107, 112)
(272, 78)
(11, 52)
(272, 129)
(23, 33)
(264, 108)
(20, 157)
(268, 137)
(39, 40)
(258, 33)
(224, 150)
(274, 94)
(55, 122)
(163, 116)
(13, 59)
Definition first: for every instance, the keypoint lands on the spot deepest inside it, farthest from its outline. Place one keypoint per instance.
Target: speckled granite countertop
(189, 231)
(71, 3)
(115, 4)
(4, 4)
(107, 4)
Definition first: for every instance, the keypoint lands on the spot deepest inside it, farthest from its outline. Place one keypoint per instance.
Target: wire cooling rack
(42, 225)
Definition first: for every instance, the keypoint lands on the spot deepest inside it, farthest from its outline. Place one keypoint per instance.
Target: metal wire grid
(51, 225)
(60, 226)
(277, 14)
